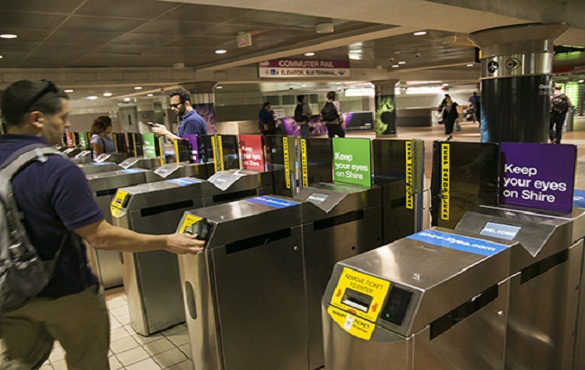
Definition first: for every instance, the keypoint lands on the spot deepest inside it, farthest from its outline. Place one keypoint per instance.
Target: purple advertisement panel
(192, 139)
(540, 176)
(207, 111)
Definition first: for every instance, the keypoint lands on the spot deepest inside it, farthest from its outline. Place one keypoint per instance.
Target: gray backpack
(23, 274)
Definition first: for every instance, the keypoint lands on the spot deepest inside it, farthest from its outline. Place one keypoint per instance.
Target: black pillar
(516, 68)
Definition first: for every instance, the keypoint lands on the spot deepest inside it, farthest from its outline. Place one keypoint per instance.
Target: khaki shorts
(80, 322)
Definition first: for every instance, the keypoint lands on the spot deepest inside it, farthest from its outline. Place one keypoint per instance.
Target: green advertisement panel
(385, 115)
(352, 161)
(149, 145)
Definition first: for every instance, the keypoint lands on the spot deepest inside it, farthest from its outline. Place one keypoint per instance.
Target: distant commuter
(450, 116)
(331, 115)
(101, 139)
(58, 210)
(559, 106)
(474, 104)
(190, 123)
(266, 121)
(303, 114)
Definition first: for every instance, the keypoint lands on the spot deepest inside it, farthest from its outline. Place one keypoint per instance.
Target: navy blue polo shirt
(192, 124)
(54, 197)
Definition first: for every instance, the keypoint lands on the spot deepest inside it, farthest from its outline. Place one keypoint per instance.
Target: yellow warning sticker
(445, 180)
(188, 221)
(409, 175)
(304, 168)
(286, 163)
(360, 294)
(352, 324)
(119, 198)
(216, 164)
(220, 149)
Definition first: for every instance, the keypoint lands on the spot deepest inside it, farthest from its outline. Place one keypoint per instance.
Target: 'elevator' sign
(540, 176)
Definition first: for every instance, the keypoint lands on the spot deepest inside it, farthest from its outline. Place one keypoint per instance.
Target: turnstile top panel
(238, 220)
(98, 167)
(146, 163)
(330, 199)
(540, 235)
(161, 192)
(434, 271)
(578, 217)
(116, 179)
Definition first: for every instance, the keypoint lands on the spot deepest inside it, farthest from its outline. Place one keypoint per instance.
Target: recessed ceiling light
(309, 54)
(107, 94)
(69, 91)
(402, 62)
(126, 99)
(138, 88)
(219, 87)
(1, 57)
(220, 51)
(581, 81)
(445, 85)
(8, 36)
(470, 65)
(395, 66)
(303, 85)
(420, 33)
(149, 94)
(93, 97)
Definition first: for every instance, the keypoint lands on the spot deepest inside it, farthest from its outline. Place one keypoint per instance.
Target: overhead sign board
(290, 68)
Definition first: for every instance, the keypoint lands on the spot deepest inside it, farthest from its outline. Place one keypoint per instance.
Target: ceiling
(108, 35)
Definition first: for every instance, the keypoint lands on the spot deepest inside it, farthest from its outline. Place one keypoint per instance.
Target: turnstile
(545, 273)
(107, 264)
(244, 295)
(338, 221)
(434, 300)
(98, 167)
(151, 279)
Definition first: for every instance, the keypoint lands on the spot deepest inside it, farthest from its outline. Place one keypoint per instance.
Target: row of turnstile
(500, 291)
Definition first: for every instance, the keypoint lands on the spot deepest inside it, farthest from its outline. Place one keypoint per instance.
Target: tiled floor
(168, 349)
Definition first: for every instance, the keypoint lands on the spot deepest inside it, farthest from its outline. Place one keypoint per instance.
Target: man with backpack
(303, 115)
(330, 114)
(58, 210)
(559, 106)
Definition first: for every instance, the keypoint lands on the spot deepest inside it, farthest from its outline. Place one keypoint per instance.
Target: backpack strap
(16, 162)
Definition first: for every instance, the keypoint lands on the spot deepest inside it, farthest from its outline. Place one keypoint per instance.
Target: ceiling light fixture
(1, 56)
(324, 28)
(138, 88)
(219, 87)
(420, 33)
(470, 65)
(107, 94)
(395, 66)
(362, 91)
(126, 99)
(220, 51)
(402, 62)
(93, 97)
(309, 54)
(8, 36)
(581, 81)
(68, 91)
(149, 94)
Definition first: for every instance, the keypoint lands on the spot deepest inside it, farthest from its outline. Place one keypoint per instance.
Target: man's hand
(159, 129)
(184, 244)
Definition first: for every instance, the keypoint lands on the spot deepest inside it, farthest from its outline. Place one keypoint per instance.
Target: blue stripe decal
(458, 242)
(133, 170)
(579, 199)
(272, 202)
(184, 181)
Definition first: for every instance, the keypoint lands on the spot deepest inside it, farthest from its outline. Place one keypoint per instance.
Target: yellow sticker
(220, 149)
(119, 198)
(188, 221)
(352, 324)
(409, 175)
(445, 180)
(360, 294)
(114, 211)
(304, 169)
(286, 164)
(215, 160)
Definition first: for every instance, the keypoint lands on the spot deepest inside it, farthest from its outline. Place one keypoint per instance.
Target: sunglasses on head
(50, 88)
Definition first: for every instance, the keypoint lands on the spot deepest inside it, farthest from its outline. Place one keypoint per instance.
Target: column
(385, 114)
(203, 100)
(516, 68)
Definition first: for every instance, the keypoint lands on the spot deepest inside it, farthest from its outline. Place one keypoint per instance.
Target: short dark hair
(100, 124)
(300, 98)
(27, 96)
(185, 95)
(265, 104)
(331, 95)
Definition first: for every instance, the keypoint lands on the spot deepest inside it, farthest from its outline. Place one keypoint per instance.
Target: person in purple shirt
(190, 123)
(59, 209)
